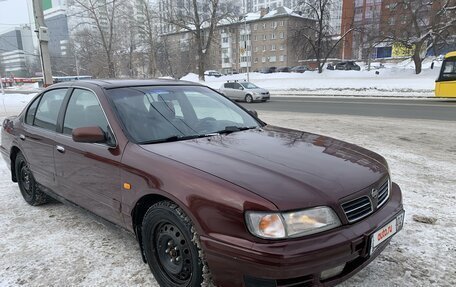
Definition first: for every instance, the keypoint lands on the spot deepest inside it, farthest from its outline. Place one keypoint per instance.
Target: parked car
(212, 73)
(347, 66)
(268, 70)
(331, 66)
(204, 184)
(283, 69)
(244, 91)
(299, 69)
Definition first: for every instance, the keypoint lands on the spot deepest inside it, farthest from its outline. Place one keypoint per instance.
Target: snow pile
(12, 104)
(394, 80)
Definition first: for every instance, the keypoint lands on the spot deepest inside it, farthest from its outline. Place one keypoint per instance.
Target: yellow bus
(445, 85)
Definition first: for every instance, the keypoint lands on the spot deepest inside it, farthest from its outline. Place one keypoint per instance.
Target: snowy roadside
(57, 245)
(390, 82)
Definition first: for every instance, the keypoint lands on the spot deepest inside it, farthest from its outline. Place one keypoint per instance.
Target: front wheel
(248, 99)
(27, 185)
(170, 247)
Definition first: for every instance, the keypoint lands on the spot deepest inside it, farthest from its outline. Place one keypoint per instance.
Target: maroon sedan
(211, 192)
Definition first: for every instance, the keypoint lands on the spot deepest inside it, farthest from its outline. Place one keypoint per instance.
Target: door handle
(22, 137)
(60, 149)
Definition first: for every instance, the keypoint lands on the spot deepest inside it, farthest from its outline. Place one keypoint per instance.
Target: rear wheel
(169, 242)
(248, 98)
(29, 189)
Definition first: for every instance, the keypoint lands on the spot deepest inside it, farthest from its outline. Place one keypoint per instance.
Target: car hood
(290, 168)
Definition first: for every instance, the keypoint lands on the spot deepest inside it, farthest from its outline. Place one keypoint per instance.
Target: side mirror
(253, 113)
(89, 135)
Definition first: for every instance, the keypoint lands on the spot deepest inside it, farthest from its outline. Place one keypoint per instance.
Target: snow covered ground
(57, 245)
(397, 80)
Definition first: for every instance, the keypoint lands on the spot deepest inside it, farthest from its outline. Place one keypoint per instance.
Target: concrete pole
(246, 35)
(1, 85)
(43, 38)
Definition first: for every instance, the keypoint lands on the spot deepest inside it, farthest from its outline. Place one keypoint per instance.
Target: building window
(273, 47)
(255, 27)
(281, 58)
(282, 47)
(255, 38)
(282, 35)
(281, 23)
(272, 59)
(264, 26)
(225, 39)
(273, 25)
(263, 59)
(273, 36)
(264, 37)
(256, 49)
(256, 60)
(264, 48)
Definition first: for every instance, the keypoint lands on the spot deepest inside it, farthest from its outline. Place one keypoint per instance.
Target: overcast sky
(13, 12)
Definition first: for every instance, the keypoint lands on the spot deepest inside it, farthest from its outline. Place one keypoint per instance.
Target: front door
(88, 173)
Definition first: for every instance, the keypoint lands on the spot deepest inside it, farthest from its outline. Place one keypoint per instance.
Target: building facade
(17, 53)
(262, 40)
(379, 23)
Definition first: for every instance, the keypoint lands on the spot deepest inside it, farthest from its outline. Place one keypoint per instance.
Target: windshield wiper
(173, 139)
(231, 129)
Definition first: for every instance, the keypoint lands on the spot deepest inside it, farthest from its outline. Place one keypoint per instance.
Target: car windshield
(169, 113)
(249, 86)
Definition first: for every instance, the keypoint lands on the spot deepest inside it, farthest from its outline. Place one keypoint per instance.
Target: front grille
(383, 193)
(357, 208)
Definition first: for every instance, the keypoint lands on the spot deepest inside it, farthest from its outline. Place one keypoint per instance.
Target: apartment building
(16, 52)
(259, 40)
(374, 19)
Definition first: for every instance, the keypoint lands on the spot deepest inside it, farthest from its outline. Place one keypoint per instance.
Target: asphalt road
(433, 109)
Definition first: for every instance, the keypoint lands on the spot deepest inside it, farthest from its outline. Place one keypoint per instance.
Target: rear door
(37, 135)
(238, 91)
(229, 91)
(88, 173)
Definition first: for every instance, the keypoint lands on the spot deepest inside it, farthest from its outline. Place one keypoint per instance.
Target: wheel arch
(141, 208)
(13, 155)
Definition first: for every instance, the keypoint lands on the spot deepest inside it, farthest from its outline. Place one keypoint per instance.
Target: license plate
(383, 234)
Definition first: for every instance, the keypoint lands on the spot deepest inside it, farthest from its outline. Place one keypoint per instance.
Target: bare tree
(104, 16)
(317, 38)
(420, 25)
(148, 27)
(200, 18)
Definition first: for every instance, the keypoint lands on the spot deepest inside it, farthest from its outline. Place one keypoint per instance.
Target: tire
(249, 99)
(170, 246)
(27, 185)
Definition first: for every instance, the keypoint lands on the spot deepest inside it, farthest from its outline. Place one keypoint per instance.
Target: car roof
(450, 54)
(112, 84)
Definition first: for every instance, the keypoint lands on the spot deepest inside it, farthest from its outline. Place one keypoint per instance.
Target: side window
(84, 110)
(237, 86)
(449, 70)
(48, 109)
(30, 115)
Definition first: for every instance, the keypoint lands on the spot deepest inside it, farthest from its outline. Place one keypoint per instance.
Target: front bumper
(300, 261)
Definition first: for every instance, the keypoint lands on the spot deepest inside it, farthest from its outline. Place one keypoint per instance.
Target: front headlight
(291, 224)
